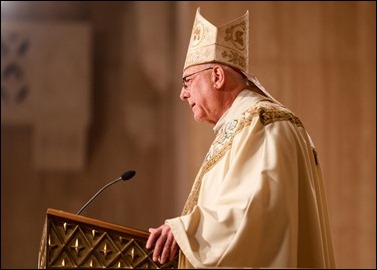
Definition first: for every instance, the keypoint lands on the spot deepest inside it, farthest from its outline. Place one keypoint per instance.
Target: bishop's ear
(218, 77)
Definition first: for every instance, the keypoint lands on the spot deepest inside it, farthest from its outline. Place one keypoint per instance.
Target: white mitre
(227, 44)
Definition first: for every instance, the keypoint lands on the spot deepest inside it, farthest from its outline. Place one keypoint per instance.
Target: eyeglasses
(185, 81)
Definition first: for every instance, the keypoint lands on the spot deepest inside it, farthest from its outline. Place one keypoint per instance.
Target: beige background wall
(318, 58)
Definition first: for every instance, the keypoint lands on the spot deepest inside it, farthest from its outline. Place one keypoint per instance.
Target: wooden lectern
(73, 241)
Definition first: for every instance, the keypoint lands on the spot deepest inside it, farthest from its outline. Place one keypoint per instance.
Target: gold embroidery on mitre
(228, 44)
(234, 58)
(202, 55)
(237, 35)
(267, 113)
(199, 33)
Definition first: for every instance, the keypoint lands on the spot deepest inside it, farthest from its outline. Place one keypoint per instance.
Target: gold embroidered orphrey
(227, 44)
(267, 113)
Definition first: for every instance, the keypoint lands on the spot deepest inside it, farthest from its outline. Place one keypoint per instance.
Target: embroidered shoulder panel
(270, 112)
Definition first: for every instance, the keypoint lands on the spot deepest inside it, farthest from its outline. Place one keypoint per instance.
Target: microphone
(125, 176)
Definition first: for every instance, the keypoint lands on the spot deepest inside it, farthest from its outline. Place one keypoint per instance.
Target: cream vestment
(258, 199)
